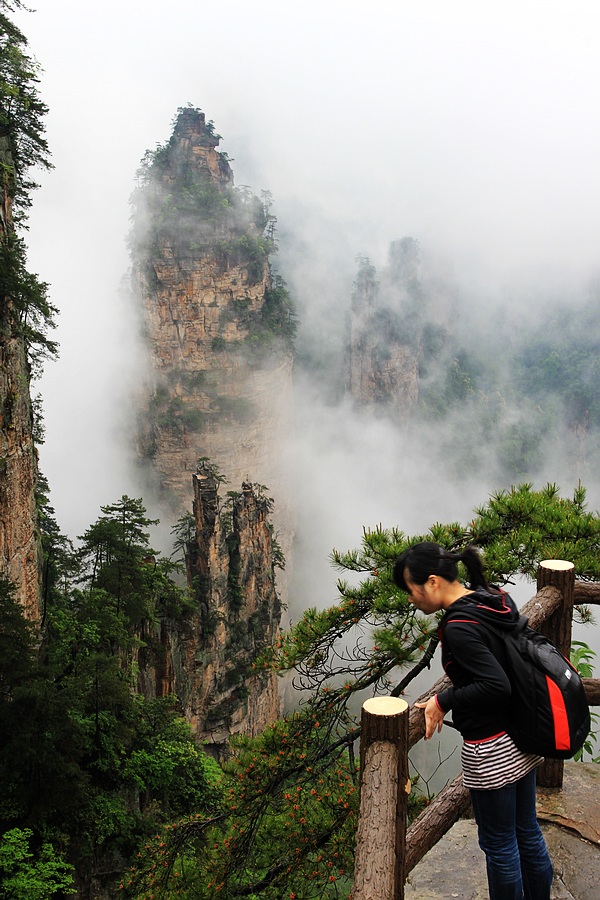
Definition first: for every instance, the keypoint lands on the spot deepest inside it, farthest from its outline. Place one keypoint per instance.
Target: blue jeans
(516, 857)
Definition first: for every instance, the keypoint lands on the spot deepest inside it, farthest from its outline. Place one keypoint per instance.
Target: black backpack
(550, 715)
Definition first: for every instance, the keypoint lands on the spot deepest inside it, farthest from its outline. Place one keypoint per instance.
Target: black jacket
(473, 659)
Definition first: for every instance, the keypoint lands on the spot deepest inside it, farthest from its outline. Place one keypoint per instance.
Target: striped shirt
(494, 762)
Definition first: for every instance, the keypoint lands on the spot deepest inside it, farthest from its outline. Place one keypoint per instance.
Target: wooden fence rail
(550, 612)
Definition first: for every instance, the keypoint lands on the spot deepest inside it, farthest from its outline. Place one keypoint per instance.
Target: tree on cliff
(24, 307)
(22, 113)
(288, 825)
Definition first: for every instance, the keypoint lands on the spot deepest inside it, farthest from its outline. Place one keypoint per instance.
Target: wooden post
(558, 626)
(381, 833)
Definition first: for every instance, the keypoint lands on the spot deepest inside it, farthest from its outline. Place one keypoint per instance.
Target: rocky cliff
(218, 323)
(219, 327)
(209, 660)
(384, 332)
(19, 537)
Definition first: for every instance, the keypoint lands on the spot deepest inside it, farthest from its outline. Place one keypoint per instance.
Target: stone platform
(570, 820)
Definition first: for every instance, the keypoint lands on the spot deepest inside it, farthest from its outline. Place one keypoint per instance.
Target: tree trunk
(379, 872)
(558, 626)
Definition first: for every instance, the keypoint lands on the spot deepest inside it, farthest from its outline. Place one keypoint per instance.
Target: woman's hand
(434, 716)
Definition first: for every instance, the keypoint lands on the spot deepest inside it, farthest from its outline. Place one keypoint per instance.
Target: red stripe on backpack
(562, 733)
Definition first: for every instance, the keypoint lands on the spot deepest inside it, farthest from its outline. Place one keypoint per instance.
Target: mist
(468, 127)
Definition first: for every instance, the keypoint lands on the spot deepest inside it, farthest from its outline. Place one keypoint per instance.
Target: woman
(501, 777)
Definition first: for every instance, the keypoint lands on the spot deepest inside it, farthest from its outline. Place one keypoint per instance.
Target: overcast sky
(470, 126)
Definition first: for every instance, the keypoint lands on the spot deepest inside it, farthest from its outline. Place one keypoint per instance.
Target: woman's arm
(479, 679)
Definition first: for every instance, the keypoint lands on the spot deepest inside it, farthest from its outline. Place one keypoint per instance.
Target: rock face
(208, 660)
(383, 346)
(219, 327)
(19, 537)
(218, 323)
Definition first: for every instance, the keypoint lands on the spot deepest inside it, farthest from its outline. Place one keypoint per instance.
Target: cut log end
(385, 706)
(559, 565)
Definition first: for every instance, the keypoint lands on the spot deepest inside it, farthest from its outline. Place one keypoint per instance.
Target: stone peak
(191, 125)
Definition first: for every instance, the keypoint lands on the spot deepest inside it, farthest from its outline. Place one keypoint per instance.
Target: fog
(470, 127)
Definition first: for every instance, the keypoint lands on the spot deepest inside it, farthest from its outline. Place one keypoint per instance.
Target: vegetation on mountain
(563, 363)
(25, 310)
(180, 203)
(267, 328)
(88, 765)
(22, 113)
(28, 876)
(524, 382)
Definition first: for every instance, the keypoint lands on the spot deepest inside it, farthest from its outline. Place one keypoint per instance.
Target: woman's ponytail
(429, 558)
(471, 560)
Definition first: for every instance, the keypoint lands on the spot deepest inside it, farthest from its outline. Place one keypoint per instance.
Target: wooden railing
(381, 875)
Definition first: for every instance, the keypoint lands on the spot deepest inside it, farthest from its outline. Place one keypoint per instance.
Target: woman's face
(423, 596)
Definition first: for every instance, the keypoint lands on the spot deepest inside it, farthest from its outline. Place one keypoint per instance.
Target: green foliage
(269, 327)
(248, 251)
(582, 658)
(22, 113)
(25, 875)
(458, 386)
(25, 310)
(519, 527)
(296, 836)
(117, 558)
(184, 533)
(167, 763)
(174, 413)
(237, 409)
(179, 203)
(40, 740)
(17, 640)
(310, 646)
(286, 828)
(278, 312)
(565, 364)
(24, 301)
(218, 344)
(365, 283)
(85, 758)
(180, 416)
(189, 380)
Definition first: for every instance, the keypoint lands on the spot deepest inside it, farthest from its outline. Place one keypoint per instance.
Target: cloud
(469, 128)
